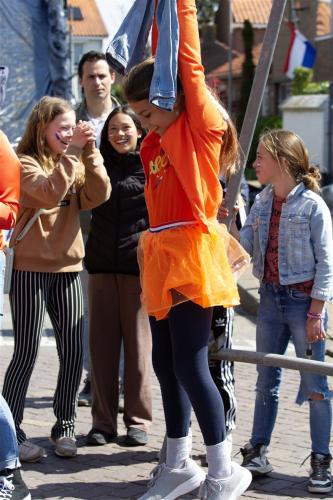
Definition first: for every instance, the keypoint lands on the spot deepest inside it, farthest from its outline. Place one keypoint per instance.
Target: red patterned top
(271, 274)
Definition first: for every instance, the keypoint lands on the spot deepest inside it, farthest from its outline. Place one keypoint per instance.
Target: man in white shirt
(96, 79)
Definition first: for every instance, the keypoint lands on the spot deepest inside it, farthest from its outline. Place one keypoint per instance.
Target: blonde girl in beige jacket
(49, 258)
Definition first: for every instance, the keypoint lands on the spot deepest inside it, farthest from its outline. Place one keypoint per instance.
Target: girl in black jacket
(115, 313)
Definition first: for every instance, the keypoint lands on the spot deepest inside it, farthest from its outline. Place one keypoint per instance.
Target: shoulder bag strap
(28, 225)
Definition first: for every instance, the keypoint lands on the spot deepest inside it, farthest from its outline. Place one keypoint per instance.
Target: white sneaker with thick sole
(226, 489)
(30, 452)
(169, 484)
(65, 446)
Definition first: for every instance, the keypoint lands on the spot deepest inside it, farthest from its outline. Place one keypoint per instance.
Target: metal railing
(276, 360)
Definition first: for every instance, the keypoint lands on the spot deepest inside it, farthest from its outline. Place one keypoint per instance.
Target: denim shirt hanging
(128, 46)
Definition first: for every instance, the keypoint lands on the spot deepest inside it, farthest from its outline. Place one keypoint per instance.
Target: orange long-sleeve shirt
(9, 185)
(182, 166)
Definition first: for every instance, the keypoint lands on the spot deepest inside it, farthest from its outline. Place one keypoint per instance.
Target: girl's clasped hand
(83, 133)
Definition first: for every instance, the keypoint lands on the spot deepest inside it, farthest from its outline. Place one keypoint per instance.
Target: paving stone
(114, 472)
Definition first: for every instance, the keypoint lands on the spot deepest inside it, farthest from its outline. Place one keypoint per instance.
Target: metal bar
(255, 100)
(230, 43)
(276, 360)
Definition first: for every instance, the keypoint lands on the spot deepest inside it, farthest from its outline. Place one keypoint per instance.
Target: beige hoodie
(54, 243)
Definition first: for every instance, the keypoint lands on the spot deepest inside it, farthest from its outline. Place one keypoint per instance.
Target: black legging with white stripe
(222, 371)
(32, 294)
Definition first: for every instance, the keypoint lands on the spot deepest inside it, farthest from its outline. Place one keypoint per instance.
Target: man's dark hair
(90, 56)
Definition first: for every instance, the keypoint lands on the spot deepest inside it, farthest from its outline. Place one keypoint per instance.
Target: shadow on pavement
(285, 485)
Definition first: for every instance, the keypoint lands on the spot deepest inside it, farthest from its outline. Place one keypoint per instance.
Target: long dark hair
(106, 148)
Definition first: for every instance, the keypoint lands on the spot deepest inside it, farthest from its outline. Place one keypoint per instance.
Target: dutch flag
(300, 53)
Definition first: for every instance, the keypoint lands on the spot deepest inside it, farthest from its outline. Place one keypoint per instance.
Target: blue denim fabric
(305, 239)
(128, 46)
(281, 317)
(8, 442)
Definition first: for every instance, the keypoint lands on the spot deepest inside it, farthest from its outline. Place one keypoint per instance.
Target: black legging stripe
(222, 371)
(33, 294)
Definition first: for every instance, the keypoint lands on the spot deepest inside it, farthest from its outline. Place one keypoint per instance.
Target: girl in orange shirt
(185, 270)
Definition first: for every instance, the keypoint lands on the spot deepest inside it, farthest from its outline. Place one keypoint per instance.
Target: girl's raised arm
(198, 102)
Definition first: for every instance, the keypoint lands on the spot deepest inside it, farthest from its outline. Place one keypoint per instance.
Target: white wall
(112, 12)
(308, 117)
(80, 46)
(309, 126)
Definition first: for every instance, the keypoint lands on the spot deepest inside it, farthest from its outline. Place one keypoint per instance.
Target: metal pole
(277, 360)
(230, 58)
(255, 100)
(329, 177)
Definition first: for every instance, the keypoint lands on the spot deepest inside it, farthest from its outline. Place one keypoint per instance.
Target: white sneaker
(226, 489)
(169, 484)
(30, 452)
(65, 446)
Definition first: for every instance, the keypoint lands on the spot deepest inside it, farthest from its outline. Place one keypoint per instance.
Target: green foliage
(206, 11)
(264, 123)
(248, 70)
(302, 83)
(117, 92)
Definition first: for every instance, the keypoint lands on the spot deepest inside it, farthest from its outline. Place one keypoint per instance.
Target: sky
(113, 11)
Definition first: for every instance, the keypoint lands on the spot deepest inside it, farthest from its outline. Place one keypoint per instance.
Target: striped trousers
(222, 371)
(31, 295)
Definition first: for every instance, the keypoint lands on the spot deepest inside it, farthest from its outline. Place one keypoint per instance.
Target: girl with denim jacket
(289, 235)
(184, 265)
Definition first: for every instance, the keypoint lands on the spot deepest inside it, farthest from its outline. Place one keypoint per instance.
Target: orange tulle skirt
(184, 263)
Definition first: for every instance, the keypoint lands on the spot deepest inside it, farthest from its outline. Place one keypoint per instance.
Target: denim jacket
(305, 239)
(128, 46)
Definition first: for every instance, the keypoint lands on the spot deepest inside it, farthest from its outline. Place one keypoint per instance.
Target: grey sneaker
(64, 446)
(255, 459)
(320, 480)
(226, 489)
(30, 452)
(168, 484)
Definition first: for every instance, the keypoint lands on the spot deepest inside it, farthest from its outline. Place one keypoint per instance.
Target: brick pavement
(115, 472)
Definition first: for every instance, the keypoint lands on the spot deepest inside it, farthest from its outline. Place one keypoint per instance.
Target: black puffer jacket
(116, 224)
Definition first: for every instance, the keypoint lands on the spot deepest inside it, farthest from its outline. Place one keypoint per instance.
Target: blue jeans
(128, 46)
(8, 442)
(281, 317)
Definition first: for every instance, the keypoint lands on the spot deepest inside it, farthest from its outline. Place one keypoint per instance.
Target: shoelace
(155, 474)
(209, 487)
(305, 459)
(6, 486)
(319, 466)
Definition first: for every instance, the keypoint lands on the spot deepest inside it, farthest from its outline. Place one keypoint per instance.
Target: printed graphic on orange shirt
(157, 169)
